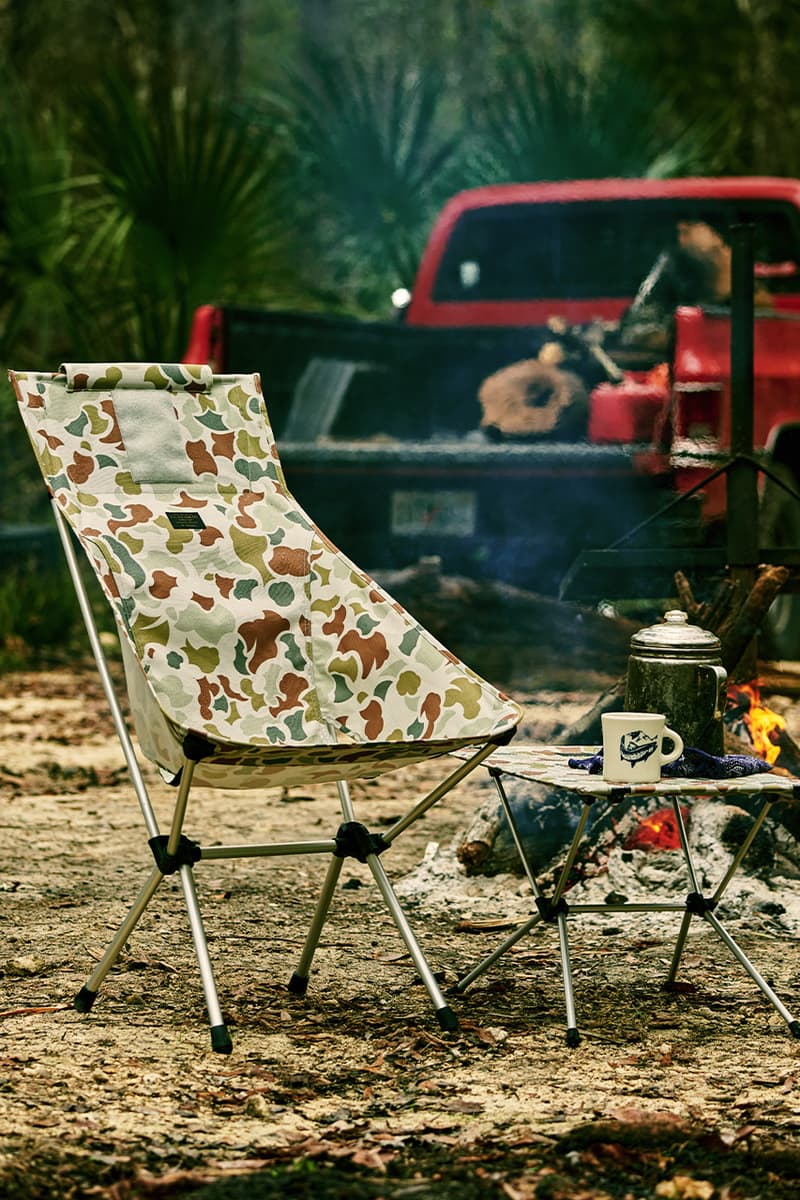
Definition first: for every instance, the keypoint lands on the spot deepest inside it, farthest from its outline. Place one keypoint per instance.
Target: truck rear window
(577, 251)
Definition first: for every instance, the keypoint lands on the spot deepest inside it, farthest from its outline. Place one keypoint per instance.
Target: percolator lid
(676, 635)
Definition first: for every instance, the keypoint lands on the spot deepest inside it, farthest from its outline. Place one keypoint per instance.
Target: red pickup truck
(378, 423)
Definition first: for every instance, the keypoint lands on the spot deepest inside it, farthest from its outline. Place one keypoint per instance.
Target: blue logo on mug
(637, 746)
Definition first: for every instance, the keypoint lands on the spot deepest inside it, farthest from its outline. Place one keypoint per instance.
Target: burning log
(658, 831)
(751, 727)
(788, 756)
(787, 815)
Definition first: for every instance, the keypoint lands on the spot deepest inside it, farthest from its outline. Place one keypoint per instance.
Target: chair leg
(444, 1014)
(88, 994)
(355, 840)
(220, 1038)
(298, 984)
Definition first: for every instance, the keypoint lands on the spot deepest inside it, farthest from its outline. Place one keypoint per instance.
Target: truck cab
(521, 254)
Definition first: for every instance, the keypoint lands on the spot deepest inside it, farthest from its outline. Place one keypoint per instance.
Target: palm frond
(553, 118)
(37, 232)
(371, 145)
(191, 208)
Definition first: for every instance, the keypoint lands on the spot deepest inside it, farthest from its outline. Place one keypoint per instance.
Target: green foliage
(189, 208)
(374, 162)
(727, 62)
(555, 118)
(39, 616)
(36, 228)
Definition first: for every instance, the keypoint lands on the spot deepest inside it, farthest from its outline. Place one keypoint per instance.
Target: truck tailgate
(514, 512)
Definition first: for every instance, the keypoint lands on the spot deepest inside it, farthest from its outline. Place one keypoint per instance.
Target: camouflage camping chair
(255, 654)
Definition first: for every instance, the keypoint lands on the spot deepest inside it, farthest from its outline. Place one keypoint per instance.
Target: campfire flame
(761, 721)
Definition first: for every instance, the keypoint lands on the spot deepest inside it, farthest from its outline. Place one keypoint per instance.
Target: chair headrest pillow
(171, 377)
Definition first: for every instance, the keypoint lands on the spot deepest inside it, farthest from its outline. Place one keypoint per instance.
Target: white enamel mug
(633, 746)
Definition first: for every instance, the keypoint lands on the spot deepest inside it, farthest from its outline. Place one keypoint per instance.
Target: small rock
(258, 1106)
(27, 965)
(499, 1034)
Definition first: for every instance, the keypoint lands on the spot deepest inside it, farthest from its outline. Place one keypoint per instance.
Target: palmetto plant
(375, 162)
(549, 117)
(39, 321)
(189, 208)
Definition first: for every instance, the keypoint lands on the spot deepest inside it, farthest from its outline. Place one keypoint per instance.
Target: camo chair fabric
(248, 627)
(255, 653)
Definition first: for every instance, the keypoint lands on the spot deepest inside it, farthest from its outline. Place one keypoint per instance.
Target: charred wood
(789, 756)
(505, 633)
(735, 613)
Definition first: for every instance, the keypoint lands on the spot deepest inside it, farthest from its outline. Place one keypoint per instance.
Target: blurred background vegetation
(160, 154)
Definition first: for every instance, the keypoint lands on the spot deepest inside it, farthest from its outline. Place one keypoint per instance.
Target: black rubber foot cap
(298, 985)
(447, 1018)
(220, 1039)
(794, 1028)
(573, 1038)
(84, 1000)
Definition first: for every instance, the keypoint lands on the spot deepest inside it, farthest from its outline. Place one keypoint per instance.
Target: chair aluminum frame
(555, 909)
(174, 853)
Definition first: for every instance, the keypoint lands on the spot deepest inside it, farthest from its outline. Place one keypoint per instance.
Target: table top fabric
(549, 765)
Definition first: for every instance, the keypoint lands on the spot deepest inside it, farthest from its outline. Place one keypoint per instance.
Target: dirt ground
(352, 1090)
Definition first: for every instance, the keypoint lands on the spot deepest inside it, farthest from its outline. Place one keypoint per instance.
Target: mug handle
(677, 749)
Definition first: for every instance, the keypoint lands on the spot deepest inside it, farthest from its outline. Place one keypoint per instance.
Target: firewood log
(735, 613)
(505, 633)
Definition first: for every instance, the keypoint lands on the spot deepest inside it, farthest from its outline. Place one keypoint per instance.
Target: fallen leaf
(683, 1187)
(464, 1106)
(33, 1009)
(373, 1160)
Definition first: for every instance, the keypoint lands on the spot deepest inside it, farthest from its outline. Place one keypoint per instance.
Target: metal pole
(742, 524)
(742, 539)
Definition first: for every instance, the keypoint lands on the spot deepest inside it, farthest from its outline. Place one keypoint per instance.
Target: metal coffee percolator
(675, 669)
